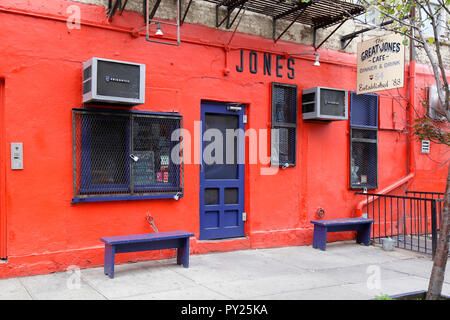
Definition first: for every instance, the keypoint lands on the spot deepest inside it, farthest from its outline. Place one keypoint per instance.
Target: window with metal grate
(363, 141)
(284, 124)
(125, 155)
(364, 111)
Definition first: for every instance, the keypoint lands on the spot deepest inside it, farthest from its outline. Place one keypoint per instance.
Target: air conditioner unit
(113, 82)
(434, 104)
(320, 103)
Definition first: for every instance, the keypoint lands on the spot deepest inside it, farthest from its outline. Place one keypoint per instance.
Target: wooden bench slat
(146, 237)
(348, 221)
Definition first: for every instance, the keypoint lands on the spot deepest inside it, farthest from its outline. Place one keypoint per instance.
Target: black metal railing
(426, 194)
(412, 221)
(430, 195)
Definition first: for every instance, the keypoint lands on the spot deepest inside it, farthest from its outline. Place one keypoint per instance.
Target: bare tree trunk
(440, 258)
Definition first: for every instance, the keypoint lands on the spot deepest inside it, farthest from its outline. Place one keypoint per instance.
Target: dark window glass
(107, 139)
(152, 146)
(284, 103)
(364, 165)
(220, 161)
(286, 144)
(211, 196)
(231, 196)
(364, 134)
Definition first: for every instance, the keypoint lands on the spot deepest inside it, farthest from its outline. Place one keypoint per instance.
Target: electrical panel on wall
(425, 146)
(113, 82)
(320, 103)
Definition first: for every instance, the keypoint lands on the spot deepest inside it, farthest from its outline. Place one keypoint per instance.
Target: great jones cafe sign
(380, 64)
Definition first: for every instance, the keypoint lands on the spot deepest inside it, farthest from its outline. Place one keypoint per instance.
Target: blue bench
(145, 242)
(321, 227)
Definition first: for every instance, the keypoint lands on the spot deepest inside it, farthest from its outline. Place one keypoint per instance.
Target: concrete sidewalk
(345, 271)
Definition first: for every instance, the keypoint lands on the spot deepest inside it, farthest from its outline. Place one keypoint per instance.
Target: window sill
(125, 198)
(362, 187)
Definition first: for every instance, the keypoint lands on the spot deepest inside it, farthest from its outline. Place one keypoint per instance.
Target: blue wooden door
(222, 171)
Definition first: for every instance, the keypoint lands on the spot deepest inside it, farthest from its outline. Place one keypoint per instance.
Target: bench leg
(109, 260)
(183, 253)
(363, 235)
(320, 237)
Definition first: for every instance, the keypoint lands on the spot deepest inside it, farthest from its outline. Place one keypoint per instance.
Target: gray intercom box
(16, 155)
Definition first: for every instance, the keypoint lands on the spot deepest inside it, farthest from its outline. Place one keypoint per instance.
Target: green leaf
(430, 40)
(405, 42)
(383, 297)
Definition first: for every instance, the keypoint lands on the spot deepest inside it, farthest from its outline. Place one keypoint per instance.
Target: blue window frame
(125, 155)
(363, 141)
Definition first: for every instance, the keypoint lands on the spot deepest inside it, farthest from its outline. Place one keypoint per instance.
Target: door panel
(226, 170)
(222, 172)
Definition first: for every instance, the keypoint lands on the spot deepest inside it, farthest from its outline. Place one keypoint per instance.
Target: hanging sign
(381, 63)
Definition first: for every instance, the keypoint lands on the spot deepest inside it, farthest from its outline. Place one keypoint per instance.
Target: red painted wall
(41, 61)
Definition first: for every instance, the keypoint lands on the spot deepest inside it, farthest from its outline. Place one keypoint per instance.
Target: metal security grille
(308, 102)
(284, 124)
(332, 102)
(364, 110)
(364, 159)
(363, 141)
(125, 155)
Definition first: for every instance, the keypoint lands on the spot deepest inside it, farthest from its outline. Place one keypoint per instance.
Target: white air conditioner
(113, 82)
(320, 103)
